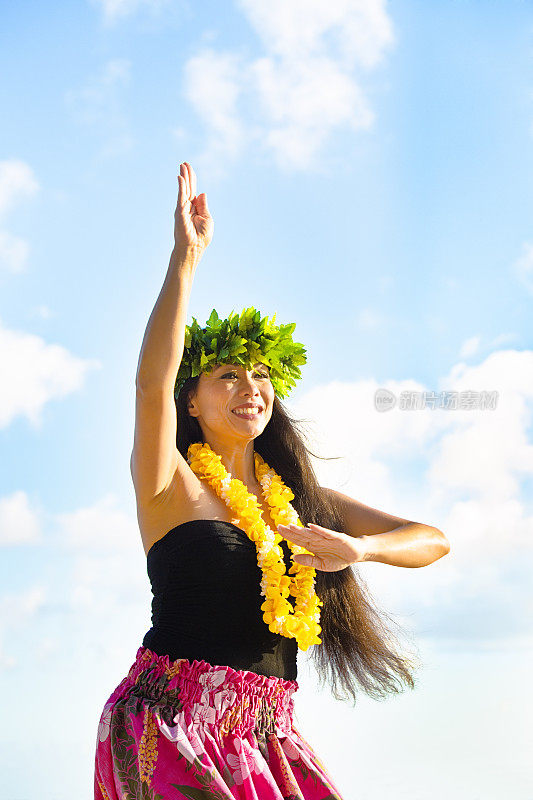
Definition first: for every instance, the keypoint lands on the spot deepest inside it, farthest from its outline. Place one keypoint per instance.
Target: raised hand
(193, 224)
(330, 550)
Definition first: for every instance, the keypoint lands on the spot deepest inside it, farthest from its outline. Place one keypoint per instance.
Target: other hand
(330, 550)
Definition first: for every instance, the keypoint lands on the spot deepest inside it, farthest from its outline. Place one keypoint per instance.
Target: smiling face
(221, 395)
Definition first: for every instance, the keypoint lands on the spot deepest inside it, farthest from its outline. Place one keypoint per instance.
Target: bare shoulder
(360, 519)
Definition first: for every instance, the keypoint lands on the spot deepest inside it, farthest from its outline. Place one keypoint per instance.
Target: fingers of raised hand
(192, 180)
(188, 176)
(184, 183)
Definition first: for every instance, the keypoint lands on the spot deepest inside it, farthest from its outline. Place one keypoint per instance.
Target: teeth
(246, 411)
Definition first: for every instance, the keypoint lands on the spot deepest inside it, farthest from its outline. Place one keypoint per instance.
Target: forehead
(238, 366)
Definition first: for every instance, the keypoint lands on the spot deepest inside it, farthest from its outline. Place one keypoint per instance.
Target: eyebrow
(258, 364)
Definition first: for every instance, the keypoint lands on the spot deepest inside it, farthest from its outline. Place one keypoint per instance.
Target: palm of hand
(331, 550)
(193, 224)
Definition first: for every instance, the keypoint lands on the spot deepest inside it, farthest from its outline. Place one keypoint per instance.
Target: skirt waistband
(232, 701)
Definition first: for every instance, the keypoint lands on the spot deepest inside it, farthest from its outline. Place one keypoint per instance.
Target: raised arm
(164, 337)
(155, 458)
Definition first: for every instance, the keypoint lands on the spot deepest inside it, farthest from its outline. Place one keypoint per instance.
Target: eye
(234, 374)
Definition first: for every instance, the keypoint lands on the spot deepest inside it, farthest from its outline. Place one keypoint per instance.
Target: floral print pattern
(180, 729)
(244, 762)
(103, 726)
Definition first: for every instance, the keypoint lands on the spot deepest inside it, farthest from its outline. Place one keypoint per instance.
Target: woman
(207, 708)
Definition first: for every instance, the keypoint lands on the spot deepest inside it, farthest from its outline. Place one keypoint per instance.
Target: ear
(191, 406)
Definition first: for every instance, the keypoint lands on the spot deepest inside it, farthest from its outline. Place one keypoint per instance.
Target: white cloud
(17, 182)
(370, 320)
(100, 583)
(14, 251)
(297, 29)
(19, 523)
(45, 647)
(304, 86)
(503, 339)
(464, 472)
(101, 577)
(18, 606)
(101, 527)
(43, 312)
(488, 453)
(16, 610)
(33, 372)
(303, 103)
(523, 266)
(469, 347)
(117, 10)
(99, 105)
(105, 550)
(107, 579)
(213, 84)
(366, 439)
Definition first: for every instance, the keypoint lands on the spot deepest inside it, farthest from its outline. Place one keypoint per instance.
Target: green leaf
(195, 793)
(243, 338)
(213, 319)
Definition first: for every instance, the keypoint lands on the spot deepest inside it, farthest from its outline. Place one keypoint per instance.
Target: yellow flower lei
(302, 622)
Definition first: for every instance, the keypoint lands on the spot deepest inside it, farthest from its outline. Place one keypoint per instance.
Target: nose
(250, 385)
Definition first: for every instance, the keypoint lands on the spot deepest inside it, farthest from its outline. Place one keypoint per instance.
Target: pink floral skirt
(176, 729)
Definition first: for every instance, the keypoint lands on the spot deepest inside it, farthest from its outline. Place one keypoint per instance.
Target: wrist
(186, 257)
(183, 265)
(366, 547)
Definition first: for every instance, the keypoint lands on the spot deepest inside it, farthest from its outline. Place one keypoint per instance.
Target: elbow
(443, 542)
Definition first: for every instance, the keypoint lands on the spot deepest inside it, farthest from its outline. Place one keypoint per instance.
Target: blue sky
(368, 168)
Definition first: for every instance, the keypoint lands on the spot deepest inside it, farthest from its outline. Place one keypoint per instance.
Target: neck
(237, 459)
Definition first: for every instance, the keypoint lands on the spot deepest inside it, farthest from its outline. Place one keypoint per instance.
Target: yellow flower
(148, 747)
(301, 622)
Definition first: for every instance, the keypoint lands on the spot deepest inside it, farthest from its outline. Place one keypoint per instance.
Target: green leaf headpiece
(244, 339)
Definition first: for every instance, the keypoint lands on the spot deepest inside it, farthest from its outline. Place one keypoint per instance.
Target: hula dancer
(249, 560)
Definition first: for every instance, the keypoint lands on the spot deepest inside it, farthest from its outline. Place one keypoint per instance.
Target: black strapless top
(207, 600)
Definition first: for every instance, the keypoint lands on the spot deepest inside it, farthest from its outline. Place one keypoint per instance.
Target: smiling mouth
(247, 415)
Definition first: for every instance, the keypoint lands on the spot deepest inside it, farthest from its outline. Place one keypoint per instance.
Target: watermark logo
(384, 400)
(468, 400)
